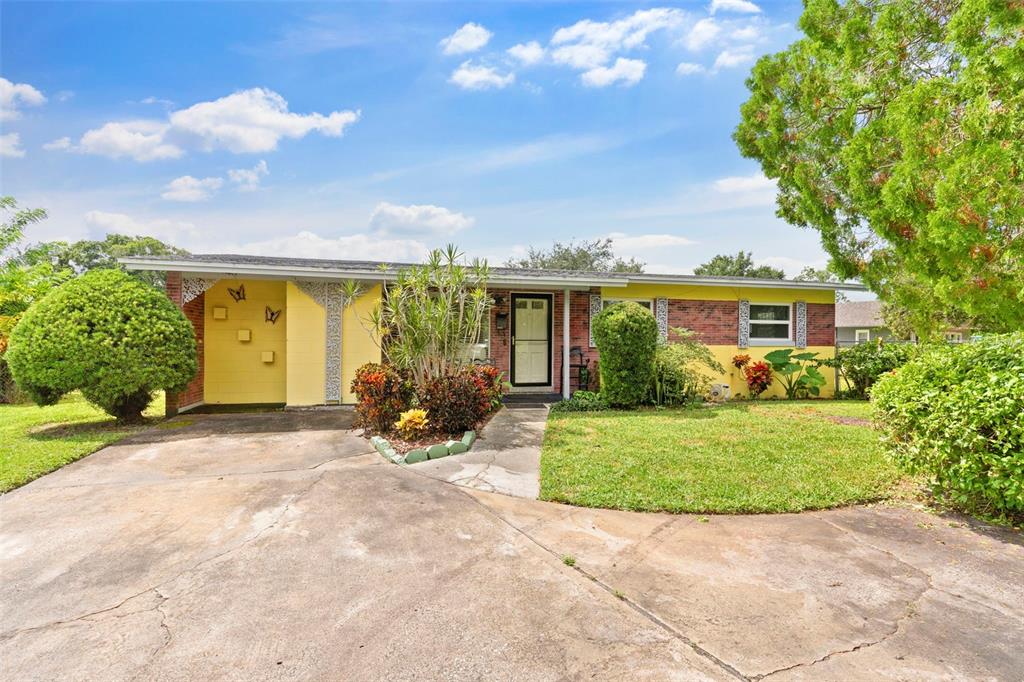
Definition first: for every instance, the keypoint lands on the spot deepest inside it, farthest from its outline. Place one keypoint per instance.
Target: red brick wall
(821, 324)
(195, 312)
(715, 322)
(579, 331)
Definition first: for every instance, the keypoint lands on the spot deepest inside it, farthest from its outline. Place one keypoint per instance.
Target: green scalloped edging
(452, 447)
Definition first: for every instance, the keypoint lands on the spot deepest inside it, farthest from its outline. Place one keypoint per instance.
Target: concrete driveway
(277, 546)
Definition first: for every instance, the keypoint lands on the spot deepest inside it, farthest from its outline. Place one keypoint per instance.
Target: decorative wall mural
(194, 287)
(271, 315)
(237, 294)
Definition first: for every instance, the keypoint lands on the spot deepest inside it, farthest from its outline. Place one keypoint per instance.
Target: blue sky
(378, 130)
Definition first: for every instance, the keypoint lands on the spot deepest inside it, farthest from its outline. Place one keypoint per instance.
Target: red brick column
(821, 324)
(195, 312)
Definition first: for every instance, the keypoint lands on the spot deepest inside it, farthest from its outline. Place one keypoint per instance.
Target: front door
(531, 339)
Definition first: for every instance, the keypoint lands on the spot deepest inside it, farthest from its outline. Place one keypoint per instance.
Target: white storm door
(530, 338)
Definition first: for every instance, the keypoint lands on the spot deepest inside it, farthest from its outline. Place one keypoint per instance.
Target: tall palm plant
(431, 313)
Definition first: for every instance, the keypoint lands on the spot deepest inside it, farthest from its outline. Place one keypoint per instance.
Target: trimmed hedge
(626, 335)
(107, 334)
(956, 414)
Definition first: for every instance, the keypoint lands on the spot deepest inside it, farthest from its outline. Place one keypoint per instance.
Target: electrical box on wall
(220, 312)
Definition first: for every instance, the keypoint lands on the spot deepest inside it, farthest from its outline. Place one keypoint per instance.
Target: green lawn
(773, 456)
(36, 440)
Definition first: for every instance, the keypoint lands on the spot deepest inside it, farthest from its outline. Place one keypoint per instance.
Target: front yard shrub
(863, 364)
(581, 401)
(956, 414)
(382, 394)
(456, 401)
(797, 372)
(412, 424)
(432, 313)
(758, 377)
(110, 336)
(681, 370)
(490, 384)
(627, 340)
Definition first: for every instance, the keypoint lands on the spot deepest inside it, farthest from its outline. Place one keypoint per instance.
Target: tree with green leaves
(12, 229)
(85, 255)
(595, 255)
(895, 128)
(810, 274)
(740, 265)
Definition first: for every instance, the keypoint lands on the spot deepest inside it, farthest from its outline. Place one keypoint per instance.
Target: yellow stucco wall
(357, 343)
(720, 293)
(235, 371)
(306, 345)
(738, 384)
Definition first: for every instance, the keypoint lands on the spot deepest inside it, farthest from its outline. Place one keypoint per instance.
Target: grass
(37, 440)
(776, 456)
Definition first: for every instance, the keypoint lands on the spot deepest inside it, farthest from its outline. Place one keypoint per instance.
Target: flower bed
(422, 454)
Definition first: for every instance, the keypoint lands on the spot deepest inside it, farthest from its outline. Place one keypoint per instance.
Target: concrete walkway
(505, 459)
(279, 547)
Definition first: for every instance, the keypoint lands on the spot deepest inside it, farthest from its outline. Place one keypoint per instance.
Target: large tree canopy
(596, 256)
(85, 255)
(740, 265)
(896, 129)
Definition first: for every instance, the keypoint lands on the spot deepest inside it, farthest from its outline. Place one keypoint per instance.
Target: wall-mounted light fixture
(501, 321)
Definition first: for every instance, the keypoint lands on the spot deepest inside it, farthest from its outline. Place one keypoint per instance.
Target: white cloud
(64, 95)
(581, 56)
(550, 148)
(248, 179)
(623, 34)
(527, 54)
(641, 242)
(733, 57)
(142, 140)
(478, 77)
(702, 34)
(628, 71)
(746, 34)
(166, 230)
(390, 219)
(10, 146)
(16, 95)
(60, 144)
(744, 183)
(156, 100)
(247, 121)
(190, 189)
(590, 45)
(688, 69)
(306, 244)
(741, 6)
(469, 38)
(254, 121)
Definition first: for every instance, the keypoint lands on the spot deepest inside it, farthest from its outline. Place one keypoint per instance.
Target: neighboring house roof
(238, 265)
(859, 314)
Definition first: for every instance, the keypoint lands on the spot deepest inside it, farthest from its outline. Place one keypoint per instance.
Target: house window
(954, 337)
(770, 324)
(862, 335)
(642, 302)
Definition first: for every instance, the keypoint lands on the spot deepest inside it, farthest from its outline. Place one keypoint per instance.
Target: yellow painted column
(306, 332)
(358, 345)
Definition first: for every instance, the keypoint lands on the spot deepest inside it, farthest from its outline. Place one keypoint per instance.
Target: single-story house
(278, 331)
(860, 321)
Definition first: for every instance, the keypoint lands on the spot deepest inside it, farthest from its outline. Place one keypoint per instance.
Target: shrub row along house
(290, 331)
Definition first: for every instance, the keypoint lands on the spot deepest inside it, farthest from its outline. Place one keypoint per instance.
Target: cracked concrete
(279, 547)
(505, 459)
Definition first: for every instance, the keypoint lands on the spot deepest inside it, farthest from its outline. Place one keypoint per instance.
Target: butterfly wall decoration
(271, 315)
(237, 294)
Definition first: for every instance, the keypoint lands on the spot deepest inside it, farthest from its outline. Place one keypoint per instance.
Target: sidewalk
(505, 458)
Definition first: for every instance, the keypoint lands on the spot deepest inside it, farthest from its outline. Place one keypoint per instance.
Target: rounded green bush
(112, 337)
(626, 335)
(956, 414)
